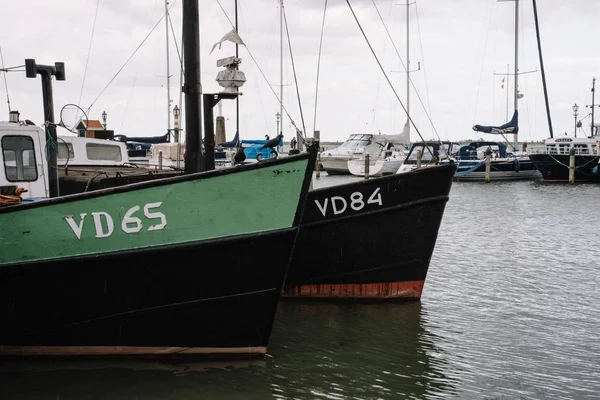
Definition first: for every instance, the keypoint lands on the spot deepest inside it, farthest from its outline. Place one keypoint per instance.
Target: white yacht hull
(335, 165)
(377, 168)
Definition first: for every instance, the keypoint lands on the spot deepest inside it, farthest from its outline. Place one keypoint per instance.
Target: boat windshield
(445, 150)
(426, 155)
(357, 141)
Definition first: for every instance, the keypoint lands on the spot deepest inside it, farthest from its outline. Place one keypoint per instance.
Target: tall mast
(516, 138)
(237, 99)
(281, 65)
(507, 90)
(407, 62)
(168, 73)
(593, 93)
(194, 159)
(539, 42)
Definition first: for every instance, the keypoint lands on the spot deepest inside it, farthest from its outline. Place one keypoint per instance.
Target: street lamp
(277, 116)
(104, 119)
(575, 113)
(176, 122)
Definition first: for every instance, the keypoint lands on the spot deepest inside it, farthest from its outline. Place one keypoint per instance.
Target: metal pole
(575, 113)
(209, 132)
(507, 88)
(407, 61)
(168, 73)
(237, 99)
(593, 92)
(516, 138)
(281, 64)
(46, 72)
(194, 160)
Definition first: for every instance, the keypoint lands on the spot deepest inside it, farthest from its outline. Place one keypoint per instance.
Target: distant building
(93, 128)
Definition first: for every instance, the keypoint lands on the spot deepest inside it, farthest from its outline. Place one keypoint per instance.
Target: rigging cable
(180, 64)
(319, 66)
(487, 36)
(287, 32)
(262, 73)
(404, 66)
(5, 83)
(379, 78)
(424, 64)
(127, 61)
(383, 71)
(137, 71)
(89, 51)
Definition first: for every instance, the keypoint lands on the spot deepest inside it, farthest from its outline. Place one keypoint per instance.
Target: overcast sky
(459, 44)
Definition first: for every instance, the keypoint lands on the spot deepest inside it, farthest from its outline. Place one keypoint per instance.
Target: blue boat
(504, 165)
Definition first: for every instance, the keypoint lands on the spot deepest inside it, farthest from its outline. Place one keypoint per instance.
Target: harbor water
(510, 310)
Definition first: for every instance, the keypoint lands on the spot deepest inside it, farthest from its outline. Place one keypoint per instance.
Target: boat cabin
(78, 151)
(430, 149)
(563, 145)
(23, 163)
(357, 141)
(478, 150)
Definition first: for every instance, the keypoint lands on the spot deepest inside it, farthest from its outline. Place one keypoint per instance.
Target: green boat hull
(198, 275)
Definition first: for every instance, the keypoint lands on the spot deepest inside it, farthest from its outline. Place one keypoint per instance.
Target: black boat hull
(379, 246)
(156, 302)
(555, 167)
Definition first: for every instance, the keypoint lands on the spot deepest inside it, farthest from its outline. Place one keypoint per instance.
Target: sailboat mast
(593, 93)
(281, 65)
(516, 138)
(168, 73)
(407, 60)
(237, 99)
(194, 159)
(507, 86)
(539, 43)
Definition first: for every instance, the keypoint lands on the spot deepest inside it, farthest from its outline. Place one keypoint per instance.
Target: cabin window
(581, 149)
(551, 149)
(357, 141)
(99, 151)
(426, 155)
(19, 159)
(65, 150)
(563, 148)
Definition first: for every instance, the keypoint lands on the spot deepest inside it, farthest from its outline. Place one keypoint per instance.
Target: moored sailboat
(505, 165)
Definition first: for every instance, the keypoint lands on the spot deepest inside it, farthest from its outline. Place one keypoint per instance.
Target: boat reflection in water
(355, 350)
(133, 379)
(317, 350)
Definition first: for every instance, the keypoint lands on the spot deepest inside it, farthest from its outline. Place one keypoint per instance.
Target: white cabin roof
(75, 150)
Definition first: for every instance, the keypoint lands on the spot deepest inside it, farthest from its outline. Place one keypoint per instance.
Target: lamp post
(104, 119)
(176, 122)
(575, 113)
(277, 117)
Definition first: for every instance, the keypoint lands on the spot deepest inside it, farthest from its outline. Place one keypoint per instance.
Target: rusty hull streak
(389, 290)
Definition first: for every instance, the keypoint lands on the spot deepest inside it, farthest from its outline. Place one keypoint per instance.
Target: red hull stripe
(389, 290)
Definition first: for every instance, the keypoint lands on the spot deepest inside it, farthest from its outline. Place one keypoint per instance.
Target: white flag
(230, 36)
